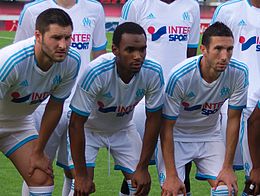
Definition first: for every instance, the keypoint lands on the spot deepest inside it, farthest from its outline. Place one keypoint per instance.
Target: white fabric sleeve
(99, 34)
(238, 98)
(129, 13)
(83, 100)
(173, 98)
(26, 26)
(195, 28)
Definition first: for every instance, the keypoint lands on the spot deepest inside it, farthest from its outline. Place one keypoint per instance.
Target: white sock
(131, 189)
(25, 189)
(41, 190)
(66, 186)
(220, 190)
(72, 188)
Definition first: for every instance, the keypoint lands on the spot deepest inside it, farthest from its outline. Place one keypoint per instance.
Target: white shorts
(125, 147)
(207, 156)
(139, 118)
(16, 133)
(58, 139)
(238, 159)
(244, 140)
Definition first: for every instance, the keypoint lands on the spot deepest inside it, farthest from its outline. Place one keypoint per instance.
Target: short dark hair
(52, 16)
(127, 27)
(216, 29)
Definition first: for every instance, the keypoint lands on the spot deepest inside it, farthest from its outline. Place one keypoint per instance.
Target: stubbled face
(131, 53)
(217, 55)
(55, 42)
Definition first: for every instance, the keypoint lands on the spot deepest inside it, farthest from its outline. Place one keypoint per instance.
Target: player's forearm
(167, 145)
(77, 144)
(50, 119)
(233, 126)
(253, 141)
(152, 130)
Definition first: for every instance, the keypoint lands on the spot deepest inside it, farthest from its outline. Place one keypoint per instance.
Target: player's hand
(173, 186)
(40, 161)
(255, 179)
(141, 181)
(228, 177)
(83, 186)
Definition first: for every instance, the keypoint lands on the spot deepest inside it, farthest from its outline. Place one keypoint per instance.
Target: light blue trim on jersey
(154, 109)
(241, 66)
(127, 170)
(193, 45)
(205, 177)
(60, 100)
(219, 7)
(26, 140)
(86, 114)
(148, 64)
(169, 117)
(182, 71)
(258, 104)
(236, 107)
(96, 71)
(26, 7)
(13, 60)
(103, 47)
(126, 9)
(75, 55)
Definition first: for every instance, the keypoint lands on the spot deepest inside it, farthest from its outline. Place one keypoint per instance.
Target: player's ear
(37, 35)
(115, 50)
(203, 49)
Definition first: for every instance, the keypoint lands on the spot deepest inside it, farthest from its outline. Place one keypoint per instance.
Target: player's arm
(191, 52)
(227, 174)
(50, 119)
(141, 179)
(97, 53)
(172, 184)
(83, 184)
(253, 142)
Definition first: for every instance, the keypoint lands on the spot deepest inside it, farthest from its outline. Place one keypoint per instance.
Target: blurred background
(10, 10)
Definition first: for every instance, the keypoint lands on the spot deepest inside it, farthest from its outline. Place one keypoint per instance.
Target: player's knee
(220, 190)
(39, 178)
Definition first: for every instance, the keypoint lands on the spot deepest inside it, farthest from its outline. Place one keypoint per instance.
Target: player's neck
(207, 72)
(255, 3)
(168, 1)
(66, 3)
(124, 75)
(43, 62)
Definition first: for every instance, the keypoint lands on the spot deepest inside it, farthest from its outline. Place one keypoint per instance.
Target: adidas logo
(24, 83)
(242, 23)
(150, 16)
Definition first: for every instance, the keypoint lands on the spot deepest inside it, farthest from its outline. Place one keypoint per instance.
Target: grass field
(106, 185)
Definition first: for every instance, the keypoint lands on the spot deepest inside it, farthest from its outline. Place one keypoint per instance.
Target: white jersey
(88, 25)
(170, 28)
(243, 19)
(23, 85)
(108, 102)
(196, 103)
